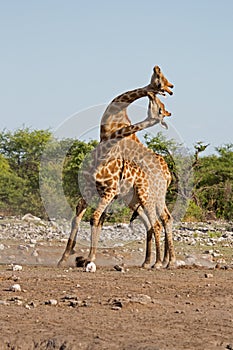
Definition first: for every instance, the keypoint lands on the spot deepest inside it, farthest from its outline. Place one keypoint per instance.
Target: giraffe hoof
(146, 265)
(60, 263)
(172, 265)
(157, 266)
(165, 264)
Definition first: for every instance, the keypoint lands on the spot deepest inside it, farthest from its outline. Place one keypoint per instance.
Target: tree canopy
(37, 172)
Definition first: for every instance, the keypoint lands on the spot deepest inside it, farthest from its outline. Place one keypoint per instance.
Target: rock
(15, 288)
(30, 217)
(119, 268)
(179, 312)
(201, 260)
(69, 297)
(91, 267)
(52, 302)
(2, 247)
(141, 299)
(209, 275)
(22, 247)
(116, 308)
(17, 268)
(117, 303)
(179, 263)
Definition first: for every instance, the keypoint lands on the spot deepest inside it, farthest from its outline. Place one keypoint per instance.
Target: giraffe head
(159, 82)
(156, 110)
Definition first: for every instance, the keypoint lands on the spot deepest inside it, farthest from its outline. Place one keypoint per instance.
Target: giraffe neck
(115, 117)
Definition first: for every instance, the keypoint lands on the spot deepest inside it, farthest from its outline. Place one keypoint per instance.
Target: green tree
(214, 183)
(11, 188)
(23, 149)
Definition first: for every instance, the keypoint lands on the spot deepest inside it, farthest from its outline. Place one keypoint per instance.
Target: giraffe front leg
(97, 220)
(80, 210)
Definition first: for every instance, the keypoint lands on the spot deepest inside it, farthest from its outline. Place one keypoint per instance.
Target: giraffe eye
(160, 111)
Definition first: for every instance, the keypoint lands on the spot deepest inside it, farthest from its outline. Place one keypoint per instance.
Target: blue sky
(62, 57)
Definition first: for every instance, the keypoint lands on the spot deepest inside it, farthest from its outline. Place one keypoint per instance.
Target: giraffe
(106, 177)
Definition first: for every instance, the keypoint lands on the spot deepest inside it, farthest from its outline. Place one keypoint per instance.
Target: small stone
(116, 308)
(2, 247)
(30, 217)
(32, 304)
(15, 288)
(91, 267)
(179, 312)
(209, 275)
(119, 268)
(70, 297)
(52, 302)
(179, 263)
(22, 247)
(15, 278)
(141, 299)
(17, 268)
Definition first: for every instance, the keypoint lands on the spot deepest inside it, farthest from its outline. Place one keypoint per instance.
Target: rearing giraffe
(109, 166)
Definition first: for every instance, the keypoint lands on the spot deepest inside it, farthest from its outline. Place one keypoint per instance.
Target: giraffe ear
(164, 125)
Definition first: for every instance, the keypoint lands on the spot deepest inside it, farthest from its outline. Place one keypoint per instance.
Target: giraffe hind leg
(169, 259)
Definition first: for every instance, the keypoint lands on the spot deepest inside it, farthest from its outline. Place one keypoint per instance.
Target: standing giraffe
(109, 166)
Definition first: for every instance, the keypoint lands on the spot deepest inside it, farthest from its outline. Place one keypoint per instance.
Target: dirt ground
(67, 308)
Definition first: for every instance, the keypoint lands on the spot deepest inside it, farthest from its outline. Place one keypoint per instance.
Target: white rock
(17, 267)
(22, 247)
(15, 288)
(180, 262)
(52, 302)
(30, 217)
(91, 267)
(2, 247)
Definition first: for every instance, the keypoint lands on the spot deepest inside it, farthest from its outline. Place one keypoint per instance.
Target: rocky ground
(46, 307)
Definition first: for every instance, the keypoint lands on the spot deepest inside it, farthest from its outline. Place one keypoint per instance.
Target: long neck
(115, 116)
(130, 96)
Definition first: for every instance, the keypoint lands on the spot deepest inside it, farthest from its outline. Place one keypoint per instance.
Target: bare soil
(186, 308)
